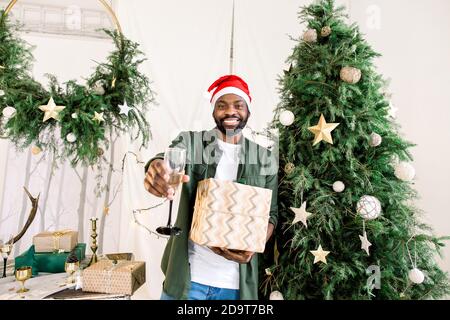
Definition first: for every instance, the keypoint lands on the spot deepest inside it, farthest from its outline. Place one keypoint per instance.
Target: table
(48, 286)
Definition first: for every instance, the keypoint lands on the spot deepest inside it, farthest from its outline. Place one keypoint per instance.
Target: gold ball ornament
(289, 168)
(100, 152)
(326, 31)
(310, 36)
(36, 150)
(350, 75)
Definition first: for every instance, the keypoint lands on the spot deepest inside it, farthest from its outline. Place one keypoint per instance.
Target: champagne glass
(22, 275)
(5, 250)
(175, 160)
(71, 268)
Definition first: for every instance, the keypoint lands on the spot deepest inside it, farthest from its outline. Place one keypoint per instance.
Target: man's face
(231, 114)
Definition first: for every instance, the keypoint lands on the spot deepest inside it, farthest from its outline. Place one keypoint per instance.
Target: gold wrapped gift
(55, 241)
(105, 276)
(120, 256)
(231, 215)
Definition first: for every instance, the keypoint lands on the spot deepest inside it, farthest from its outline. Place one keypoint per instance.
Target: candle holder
(94, 246)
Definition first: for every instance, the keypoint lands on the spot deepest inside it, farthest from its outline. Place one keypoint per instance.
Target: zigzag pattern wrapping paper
(231, 215)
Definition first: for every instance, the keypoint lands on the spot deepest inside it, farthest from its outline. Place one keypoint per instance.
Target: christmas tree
(348, 228)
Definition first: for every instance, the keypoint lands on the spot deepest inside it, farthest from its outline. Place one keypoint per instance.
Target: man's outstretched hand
(238, 256)
(157, 178)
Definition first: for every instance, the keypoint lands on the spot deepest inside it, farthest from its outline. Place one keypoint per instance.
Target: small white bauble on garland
(310, 36)
(287, 118)
(276, 295)
(404, 171)
(368, 207)
(350, 75)
(2, 93)
(98, 88)
(416, 276)
(74, 115)
(338, 186)
(71, 138)
(375, 140)
(9, 112)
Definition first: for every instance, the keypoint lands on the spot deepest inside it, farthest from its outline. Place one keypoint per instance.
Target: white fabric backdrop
(187, 44)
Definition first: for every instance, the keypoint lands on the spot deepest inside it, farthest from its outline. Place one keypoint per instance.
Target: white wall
(413, 37)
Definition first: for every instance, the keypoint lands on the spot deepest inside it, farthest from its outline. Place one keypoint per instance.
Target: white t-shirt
(207, 267)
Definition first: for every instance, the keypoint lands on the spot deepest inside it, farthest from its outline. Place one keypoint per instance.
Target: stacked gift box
(50, 251)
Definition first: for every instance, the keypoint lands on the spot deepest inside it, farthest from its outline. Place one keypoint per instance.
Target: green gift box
(48, 262)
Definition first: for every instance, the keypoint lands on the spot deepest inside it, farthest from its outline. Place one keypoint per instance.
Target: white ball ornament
(276, 295)
(2, 93)
(9, 112)
(375, 140)
(404, 171)
(71, 138)
(338, 186)
(368, 207)
(287, 118)
(416, 276)
(310, 35)
(350, 75)
(98, 88)
(74, 115)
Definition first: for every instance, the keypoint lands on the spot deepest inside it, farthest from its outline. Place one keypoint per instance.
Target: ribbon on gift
(56, 237)
(108, 270)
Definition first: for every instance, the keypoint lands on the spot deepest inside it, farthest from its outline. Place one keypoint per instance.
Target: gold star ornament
(323, 130)
(301, 214)
(98, 117)
(320, 255)
(51, 110)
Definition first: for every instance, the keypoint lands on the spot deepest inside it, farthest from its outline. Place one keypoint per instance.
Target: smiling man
(197, 272)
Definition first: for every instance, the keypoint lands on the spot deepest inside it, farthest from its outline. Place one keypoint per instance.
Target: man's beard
(231, 132)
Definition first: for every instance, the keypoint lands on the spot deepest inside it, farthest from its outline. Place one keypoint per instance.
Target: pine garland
(311, 87)
(118, 77)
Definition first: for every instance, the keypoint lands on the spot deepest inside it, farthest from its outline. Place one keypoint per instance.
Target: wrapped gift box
(120, 256)
(105, 276)
(48, 262)
(231, 215)
(55, 241)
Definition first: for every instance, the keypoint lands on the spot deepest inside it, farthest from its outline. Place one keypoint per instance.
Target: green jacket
(258, 167)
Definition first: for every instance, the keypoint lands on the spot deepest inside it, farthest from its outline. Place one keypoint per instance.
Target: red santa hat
(229, 84)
